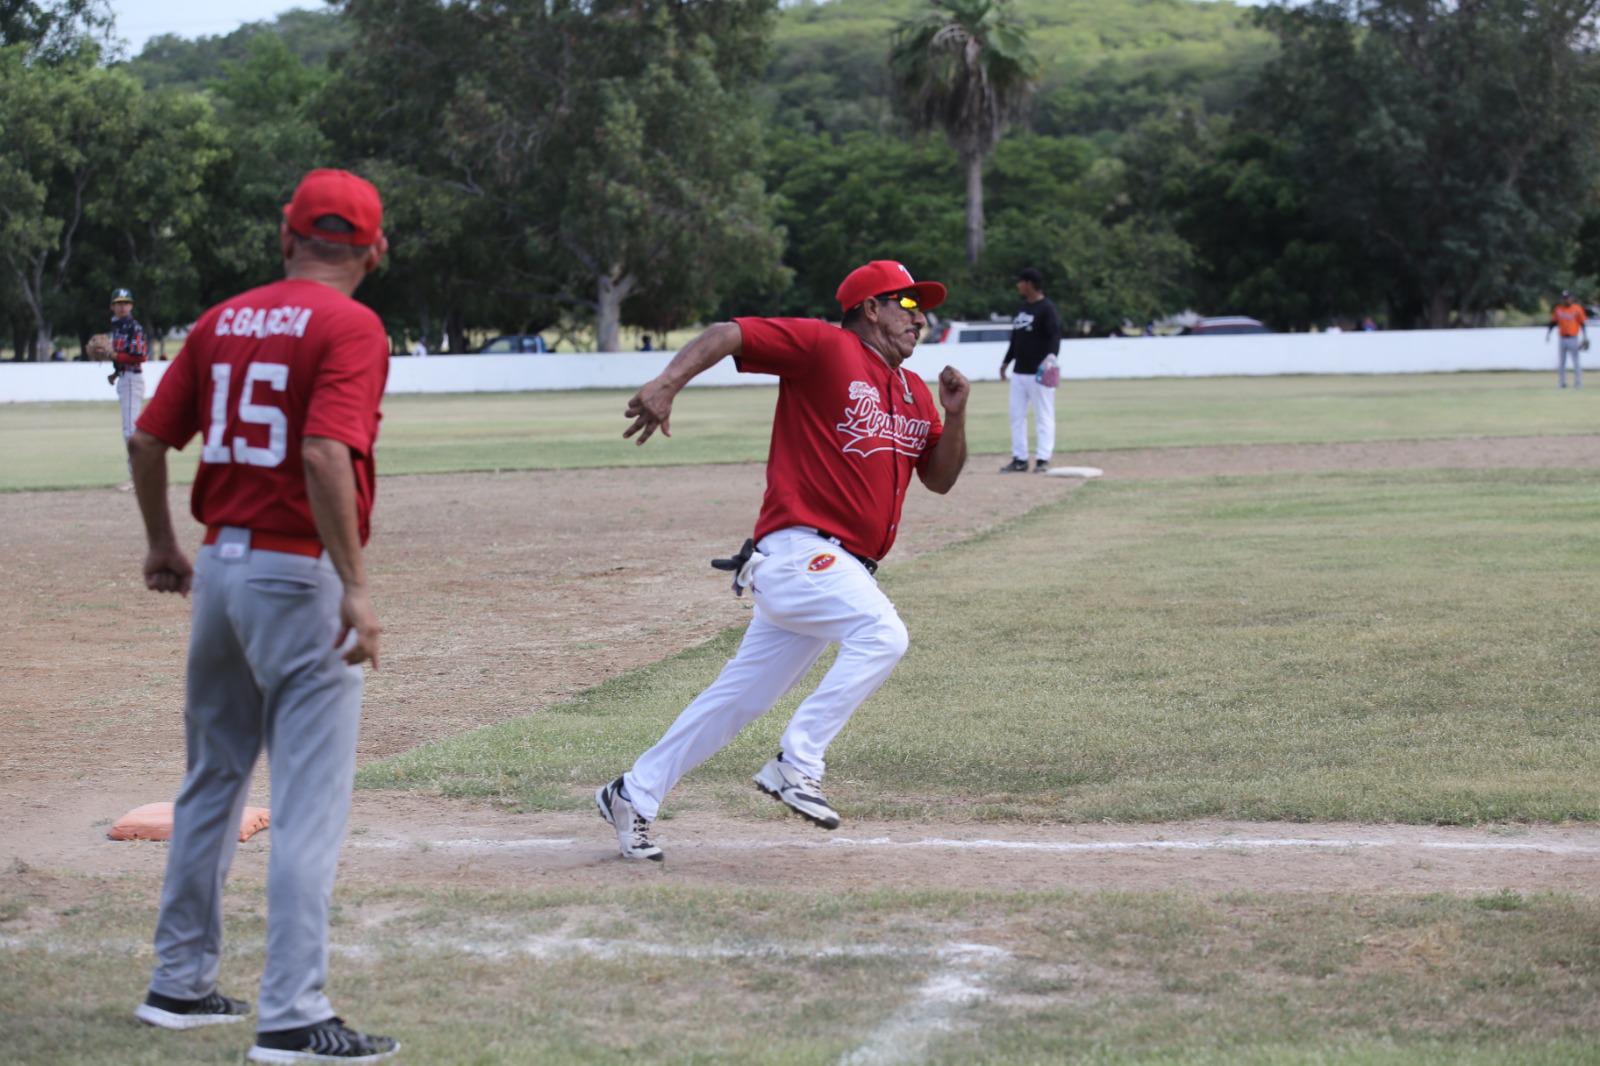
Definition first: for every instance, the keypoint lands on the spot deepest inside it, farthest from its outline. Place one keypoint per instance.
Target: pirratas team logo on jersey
(869, 429)
(819, 563)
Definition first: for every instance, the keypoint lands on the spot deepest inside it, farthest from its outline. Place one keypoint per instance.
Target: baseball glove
(742, 565)
(1584, 346)
(99, 346)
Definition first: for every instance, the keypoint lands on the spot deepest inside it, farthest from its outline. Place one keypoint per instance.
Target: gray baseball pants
(130, 396)
(1571, 347)
(263, 670)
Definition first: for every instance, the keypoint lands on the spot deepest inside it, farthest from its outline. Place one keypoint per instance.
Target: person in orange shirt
(1568, 317)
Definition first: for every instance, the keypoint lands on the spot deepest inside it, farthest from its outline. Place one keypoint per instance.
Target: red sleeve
(782, 346)
(173, 415)
(349, 385)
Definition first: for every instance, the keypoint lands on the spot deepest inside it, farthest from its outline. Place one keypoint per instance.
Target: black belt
(133, 370)
(870, 564)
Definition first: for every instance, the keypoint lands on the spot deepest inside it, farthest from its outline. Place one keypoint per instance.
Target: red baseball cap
(884, 276)
(340, 193)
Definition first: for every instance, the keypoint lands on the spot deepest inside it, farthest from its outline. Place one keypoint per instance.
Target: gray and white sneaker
(784, 782)
(170, 1013)
(633, 828)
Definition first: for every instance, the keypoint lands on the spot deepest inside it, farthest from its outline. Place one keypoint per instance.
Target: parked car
(1224, 324)
(971, 332)
(514, 344)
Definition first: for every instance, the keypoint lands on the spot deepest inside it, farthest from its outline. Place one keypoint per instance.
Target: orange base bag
(153, 821)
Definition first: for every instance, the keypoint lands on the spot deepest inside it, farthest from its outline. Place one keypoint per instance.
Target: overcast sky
(140, 20)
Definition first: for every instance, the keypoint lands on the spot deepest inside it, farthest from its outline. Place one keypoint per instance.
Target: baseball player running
(282, 385)
(850, 428)
(128, 351)
(1569, 319)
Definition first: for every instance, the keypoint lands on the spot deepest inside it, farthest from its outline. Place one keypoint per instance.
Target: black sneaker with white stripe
(329, 1041)
(170, 1013)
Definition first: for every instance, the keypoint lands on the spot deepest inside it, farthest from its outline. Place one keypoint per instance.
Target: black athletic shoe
(1041, 466)
(329, 1041)
(1015, 466)
(169, 1013)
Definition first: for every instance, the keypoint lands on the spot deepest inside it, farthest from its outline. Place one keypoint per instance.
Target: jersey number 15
(216, 450)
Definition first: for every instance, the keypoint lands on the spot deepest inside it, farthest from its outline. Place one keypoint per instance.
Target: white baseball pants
(130, 395)
(1027, 393)
(803, 603)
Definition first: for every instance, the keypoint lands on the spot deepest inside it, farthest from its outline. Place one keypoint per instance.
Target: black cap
(1032, 276)
(119, 296)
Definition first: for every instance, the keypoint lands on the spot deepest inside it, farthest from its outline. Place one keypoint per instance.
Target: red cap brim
(930, 294)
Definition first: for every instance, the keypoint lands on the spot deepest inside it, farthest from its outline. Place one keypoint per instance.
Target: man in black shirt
(1035, 338)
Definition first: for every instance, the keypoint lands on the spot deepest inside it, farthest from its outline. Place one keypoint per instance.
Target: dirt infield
(574, 577)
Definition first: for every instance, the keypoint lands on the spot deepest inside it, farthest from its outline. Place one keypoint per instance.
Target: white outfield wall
(1409, 352)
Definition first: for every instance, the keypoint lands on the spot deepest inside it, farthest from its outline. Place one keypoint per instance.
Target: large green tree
(964, 67)
(266, 100)
(86, 157)
(605, 151)
(1451, 142)
(1056, 204)
(54, 32)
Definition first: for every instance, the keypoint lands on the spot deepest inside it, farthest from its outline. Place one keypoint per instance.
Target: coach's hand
(356, 615)
(650, 409)
(167, 569)
(953, 390)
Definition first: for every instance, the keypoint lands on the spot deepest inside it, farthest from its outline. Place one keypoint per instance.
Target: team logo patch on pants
(821, 562)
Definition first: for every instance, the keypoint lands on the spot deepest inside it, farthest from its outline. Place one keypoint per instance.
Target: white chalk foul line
(470, 844)
(548, 946)
(480, 844)
(556, 946)
(905, 1035)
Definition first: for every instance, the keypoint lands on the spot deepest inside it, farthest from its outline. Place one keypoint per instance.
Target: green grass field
(1113, 979)
(78, 445)
(1407, 646)
(1413, 647)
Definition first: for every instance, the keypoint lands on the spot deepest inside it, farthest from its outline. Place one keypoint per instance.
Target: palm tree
(964, 66)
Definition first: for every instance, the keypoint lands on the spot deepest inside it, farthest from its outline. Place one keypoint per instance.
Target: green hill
(1105, 63)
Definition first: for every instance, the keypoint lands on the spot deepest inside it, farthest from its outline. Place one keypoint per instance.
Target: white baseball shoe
(633, 828)
(785, 783)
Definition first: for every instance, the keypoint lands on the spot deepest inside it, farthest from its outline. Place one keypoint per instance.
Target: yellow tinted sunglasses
(908, 302)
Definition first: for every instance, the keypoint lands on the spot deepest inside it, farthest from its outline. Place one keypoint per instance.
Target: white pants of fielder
(130, 395)
(1026, 394)
(803, 603)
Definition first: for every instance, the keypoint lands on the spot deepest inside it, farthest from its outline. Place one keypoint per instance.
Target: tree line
(654, 163)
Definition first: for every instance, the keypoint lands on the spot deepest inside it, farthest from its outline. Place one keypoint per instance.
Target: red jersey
(846, 436)
(260, 373)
